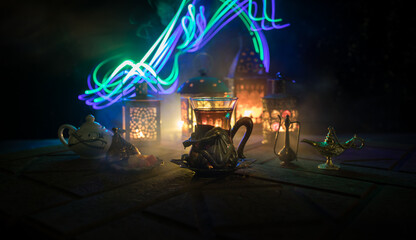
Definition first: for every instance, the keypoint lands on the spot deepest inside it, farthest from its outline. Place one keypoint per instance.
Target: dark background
(352, 60)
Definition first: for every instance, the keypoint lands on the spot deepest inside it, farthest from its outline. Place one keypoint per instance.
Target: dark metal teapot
(212, 147)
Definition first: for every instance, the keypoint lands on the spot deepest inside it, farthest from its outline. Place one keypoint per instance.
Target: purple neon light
(168, 45)
(263, 21)
(216, 29)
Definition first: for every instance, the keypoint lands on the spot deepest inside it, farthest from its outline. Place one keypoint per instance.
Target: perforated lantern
(277, 102)
(141, 117)
(248, 79)
(201, 86)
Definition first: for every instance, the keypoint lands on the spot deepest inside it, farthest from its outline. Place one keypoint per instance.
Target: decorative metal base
(328, 165)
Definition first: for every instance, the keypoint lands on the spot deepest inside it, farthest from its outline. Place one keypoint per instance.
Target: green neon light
(256, 47)
(174, 73)
(94, 76)
(264, 12)
(246, 20)
(190, 33)
(165, 34)
(190, 30)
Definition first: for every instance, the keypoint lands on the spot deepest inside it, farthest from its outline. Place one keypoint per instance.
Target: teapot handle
(248, 123)
(71, 129)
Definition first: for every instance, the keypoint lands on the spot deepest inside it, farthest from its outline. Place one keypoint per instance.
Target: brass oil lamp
(331, 147)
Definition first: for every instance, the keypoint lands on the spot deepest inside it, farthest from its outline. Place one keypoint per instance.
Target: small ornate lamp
(202, 86)
(277, 103)
(141, 117)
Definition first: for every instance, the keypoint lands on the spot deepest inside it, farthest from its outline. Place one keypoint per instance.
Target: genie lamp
(331, 147)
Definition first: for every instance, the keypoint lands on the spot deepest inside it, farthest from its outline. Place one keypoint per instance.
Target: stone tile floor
(49, 192)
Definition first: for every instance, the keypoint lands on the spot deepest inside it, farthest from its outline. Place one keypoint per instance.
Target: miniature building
(248, 81)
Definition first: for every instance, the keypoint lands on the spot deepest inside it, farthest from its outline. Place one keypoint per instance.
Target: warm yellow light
(180, 124)
(247, 113)
(218, 122)
(141, 135)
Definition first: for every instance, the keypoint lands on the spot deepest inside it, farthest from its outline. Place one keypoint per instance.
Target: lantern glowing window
(249, 79)
(278, 103)
(143, 123)
(141, 117)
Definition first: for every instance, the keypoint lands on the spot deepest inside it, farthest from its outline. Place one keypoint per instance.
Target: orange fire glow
(250, 102)
(138, 134)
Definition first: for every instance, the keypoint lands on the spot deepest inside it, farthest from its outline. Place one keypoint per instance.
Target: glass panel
(215, 111)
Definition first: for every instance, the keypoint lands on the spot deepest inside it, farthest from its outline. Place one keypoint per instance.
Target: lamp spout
(310, 142)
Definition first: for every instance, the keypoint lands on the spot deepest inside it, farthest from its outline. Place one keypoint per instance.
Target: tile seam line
(141, 206)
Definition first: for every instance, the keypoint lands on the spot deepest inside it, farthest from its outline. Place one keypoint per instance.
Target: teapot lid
(90, 123)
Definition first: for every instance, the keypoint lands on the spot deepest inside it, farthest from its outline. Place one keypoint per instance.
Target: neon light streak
(265, 16)
(256, 47)
(190, 30)
(259, 36)
(185, 34)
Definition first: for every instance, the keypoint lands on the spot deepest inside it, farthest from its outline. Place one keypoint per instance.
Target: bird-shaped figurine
(331, 147)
